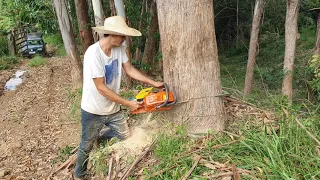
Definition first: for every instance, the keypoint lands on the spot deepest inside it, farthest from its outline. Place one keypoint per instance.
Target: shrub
(7, 62)
(3, 46)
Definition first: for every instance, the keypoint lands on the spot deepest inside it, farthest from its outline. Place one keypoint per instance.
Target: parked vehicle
(34, 45)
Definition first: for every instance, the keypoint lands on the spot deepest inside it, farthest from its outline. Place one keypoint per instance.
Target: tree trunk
(258, 11)
(160, 62)
(98, 17)
(137, 53)
(112, 8)
(317, 46)
(150, 46)
(291, 31)
(190, 60)
(84, 24)
(69, 43)
(119, 7)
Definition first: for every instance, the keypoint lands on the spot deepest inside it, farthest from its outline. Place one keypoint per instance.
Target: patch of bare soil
(34, 121)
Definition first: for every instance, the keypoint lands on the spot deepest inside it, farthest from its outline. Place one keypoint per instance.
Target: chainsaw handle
(167, 97)
(174, 97)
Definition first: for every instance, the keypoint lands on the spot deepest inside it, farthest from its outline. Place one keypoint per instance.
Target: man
(100, 104)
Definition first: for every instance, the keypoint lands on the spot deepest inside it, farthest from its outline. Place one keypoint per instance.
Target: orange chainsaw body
(156, 101)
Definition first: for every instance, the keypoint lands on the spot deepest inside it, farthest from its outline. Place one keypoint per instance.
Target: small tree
(69, 43)
(84, 24)
(317, 44)
(258, 11)
(151, 42)
(291, 31)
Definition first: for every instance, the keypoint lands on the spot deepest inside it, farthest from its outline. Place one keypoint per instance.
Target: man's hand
(133, 105)
(158, 84)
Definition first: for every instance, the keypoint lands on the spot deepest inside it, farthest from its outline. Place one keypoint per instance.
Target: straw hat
(117, 26)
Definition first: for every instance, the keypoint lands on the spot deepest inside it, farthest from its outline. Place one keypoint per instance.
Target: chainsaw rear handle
(165, 104)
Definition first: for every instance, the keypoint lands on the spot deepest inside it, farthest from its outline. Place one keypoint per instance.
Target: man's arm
(135, 74)
(113, 96)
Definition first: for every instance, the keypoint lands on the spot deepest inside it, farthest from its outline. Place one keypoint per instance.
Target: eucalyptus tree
(190, 60)
(291, 32)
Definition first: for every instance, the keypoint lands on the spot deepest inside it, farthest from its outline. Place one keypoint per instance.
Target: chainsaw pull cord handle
(167, 96)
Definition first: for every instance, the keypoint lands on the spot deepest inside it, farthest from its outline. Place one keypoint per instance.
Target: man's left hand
(158, 84)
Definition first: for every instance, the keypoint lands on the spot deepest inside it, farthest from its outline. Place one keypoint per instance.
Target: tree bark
(112, 8)
(69, 43)
(84, 24)
(317, 46)
(119, 7)
(98, 12)
(137, 53)
(190, 60)
(258, 11)
(151, 42)
(98, 17)
(291, 31)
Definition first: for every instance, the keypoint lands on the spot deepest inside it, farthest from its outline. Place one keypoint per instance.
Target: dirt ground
(35, 121)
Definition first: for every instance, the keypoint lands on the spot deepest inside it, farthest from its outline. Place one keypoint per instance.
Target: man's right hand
(133, 105)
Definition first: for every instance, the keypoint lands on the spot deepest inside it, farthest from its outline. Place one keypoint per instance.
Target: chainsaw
(154, 100)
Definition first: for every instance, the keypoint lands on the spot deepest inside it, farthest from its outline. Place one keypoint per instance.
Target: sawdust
(142, 134)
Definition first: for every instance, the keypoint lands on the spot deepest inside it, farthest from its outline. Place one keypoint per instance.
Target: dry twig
(161, 171)
(228, 143)
(235, 171)
(192, 168)
(127, 173)
(110, 169)
(309, 134)
(72, 159)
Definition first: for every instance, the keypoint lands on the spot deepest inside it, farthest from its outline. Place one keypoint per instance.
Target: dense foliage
(20, 12)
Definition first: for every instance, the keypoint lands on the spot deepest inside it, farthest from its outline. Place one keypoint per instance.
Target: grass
(8, 62)
(63, 155)
(99, 156)
(284, 154)
(37, 61)
(75, 98)
(55, 41)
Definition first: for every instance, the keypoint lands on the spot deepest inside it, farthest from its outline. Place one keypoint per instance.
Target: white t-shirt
(97, 64)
